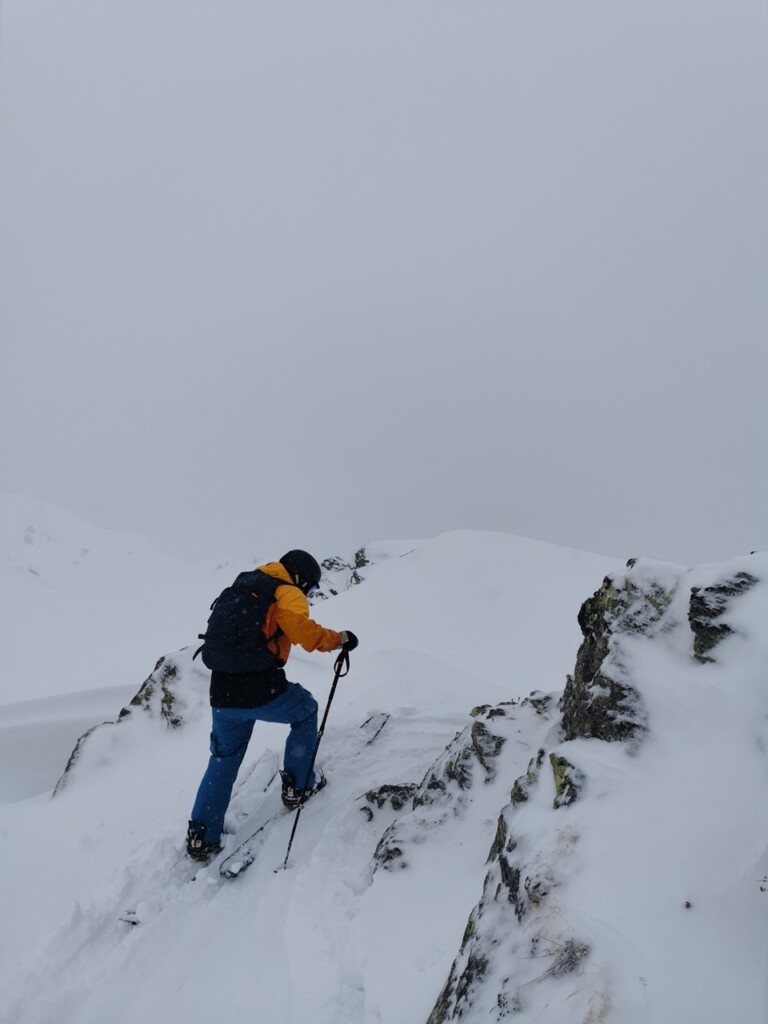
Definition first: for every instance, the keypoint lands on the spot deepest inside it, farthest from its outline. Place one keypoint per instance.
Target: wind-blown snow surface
(364, 926)
(82, 606)
(85, 612)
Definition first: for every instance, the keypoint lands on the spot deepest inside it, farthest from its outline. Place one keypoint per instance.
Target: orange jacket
(290, 613)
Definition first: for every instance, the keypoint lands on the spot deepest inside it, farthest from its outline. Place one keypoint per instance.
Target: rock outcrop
(164, 697)
(518, 934)
(707, 612)
(599, 700)
(468, 761)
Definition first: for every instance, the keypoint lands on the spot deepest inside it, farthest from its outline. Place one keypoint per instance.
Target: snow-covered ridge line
(540, 943)
(72, 594)
(543, 858)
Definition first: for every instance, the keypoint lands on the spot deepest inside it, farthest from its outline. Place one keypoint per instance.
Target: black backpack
(234, 639)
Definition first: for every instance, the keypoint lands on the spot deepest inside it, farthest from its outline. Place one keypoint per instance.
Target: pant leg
(297, 708)
(230, 732)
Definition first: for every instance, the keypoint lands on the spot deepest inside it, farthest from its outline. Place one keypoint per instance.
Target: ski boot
(294, 797)
(197, 847)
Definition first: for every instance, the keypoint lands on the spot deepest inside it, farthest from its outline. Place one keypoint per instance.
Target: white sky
(320, 273)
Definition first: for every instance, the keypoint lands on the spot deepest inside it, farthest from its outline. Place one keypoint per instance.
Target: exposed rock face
(514, 935)
(157, 694)
(522, 787)
(518, 933)
(569, 781)
(397, 797)
(599, 701)
(707, 609)
(341, 573)
(467, 761)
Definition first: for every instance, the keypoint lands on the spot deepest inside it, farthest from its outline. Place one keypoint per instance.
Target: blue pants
(230, 733)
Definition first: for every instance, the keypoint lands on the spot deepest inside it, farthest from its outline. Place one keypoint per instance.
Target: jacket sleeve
(292, 616)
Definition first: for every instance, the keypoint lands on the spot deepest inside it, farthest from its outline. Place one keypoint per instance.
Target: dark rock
(502, 710)
(707, 608)
(540, 702)
(475, 745)
(486, 746)
(598, 701)
(456, 997)
(569, 781)
(522, 787)
(397, 796)
(160, 683)
(510, 884)
(500, 839)
(604, 710)
(388, 854)
(334, 564)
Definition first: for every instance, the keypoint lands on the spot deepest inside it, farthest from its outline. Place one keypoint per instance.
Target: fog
(316, 274)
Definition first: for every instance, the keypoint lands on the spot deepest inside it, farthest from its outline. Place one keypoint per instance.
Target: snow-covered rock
(622, 882)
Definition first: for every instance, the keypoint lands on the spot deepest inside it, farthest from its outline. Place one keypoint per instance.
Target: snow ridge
(559, 933)
(591, 852)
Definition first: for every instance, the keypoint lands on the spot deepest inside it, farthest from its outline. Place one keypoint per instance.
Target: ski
(372, 726)
(261, 774)
(257, 780)
(250, 837)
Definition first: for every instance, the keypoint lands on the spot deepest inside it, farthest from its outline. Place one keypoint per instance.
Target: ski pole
(341, 668)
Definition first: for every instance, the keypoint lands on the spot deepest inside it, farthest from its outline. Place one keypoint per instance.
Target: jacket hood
(276, 569)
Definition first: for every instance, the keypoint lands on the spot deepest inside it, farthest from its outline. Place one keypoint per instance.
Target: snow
(656, 867)
(80, 605)
(37, 736)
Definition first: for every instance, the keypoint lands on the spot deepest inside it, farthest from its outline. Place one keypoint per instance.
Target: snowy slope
(639, 901)
(83, 607)
(86, 612)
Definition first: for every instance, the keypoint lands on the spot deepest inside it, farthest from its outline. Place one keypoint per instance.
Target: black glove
(348, 641)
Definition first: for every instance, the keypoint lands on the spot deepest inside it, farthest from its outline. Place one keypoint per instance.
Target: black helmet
(302, 568)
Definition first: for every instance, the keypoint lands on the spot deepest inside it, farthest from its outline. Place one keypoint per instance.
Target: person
(262, 694)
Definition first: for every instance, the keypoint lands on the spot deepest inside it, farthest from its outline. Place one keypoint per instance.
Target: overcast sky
(317, 273)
